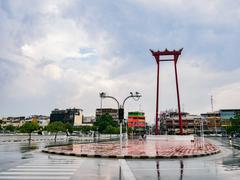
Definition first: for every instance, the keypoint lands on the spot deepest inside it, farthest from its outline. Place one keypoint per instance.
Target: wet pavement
(17, 161)
(135, 148)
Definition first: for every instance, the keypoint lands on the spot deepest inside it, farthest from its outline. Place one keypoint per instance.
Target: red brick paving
(140, 148)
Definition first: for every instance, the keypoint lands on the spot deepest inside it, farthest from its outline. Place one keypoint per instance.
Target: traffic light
(120, 114)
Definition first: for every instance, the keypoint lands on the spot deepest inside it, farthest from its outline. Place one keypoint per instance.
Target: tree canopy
(56, 127)
(104, 121)
(68, 128)
(29, 127)
(84, 129)
(10, 128)
(235, 124)
(111, 130)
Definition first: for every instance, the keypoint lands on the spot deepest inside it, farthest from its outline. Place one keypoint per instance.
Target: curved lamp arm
(114, 99)
(126, 99)
(136, 95)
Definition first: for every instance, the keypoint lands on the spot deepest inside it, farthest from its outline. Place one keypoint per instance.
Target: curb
(131, 156)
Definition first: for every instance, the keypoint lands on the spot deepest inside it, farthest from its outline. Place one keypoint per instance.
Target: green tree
(1, 122)
(29, 127)
(10, 128)
(235, 124)
(85, 129)
(130, 130)
(68, 128)
(111, 130)
(103, 122)
(55, 127)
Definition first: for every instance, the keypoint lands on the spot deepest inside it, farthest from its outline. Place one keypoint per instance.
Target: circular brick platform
(138, 149)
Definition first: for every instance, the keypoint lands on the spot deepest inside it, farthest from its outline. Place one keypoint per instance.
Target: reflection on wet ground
(181, 169)
(225, 165)
(158, 171)
(28, 147)
(232, 163)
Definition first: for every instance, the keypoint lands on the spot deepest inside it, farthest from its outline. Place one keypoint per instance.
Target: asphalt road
(18, 161)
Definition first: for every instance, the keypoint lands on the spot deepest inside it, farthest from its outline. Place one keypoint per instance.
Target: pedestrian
(230, 137)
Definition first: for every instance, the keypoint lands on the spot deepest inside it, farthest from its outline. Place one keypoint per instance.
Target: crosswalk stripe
(47, 166)
(36, 173)
(48, 170)
(35, 177)
(52, 163)
(32, 169)
(47, 160)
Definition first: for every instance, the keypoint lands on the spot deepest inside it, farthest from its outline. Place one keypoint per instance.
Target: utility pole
(212, 103)
(215, 123)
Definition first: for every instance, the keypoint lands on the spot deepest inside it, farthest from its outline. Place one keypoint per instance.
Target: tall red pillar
(178, 98)
(157, 58)
(157, 128)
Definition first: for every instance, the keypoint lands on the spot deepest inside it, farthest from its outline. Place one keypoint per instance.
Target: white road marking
(55, 161)
(36, 173)
(50, 163)
(125, 170)
(32, 169)
(42, 171)
(47, 166)
(35, 177)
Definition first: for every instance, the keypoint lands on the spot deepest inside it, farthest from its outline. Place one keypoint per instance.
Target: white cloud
(213, 12)
(28, 83)
(54, 7)
(63, 40)
(227, 96)
(52, 71)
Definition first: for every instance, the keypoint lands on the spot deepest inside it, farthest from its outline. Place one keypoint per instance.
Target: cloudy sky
(61, 54)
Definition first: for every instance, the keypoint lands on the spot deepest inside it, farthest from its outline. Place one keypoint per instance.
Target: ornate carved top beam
(166, 52)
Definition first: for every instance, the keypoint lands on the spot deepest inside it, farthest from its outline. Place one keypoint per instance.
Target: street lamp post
(126, 129)
(202, 133)
(101, 95)
(135, 96)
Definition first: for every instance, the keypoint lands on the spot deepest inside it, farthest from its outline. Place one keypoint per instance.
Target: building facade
(73, 116)
(169, 123)
(14, 121)
(19, 121)
(136, 120)
(213, 120)
(226, 115)
(110, 111)
(88, 120)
